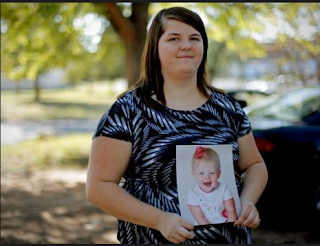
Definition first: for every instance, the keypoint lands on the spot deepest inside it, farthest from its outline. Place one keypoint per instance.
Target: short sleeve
(226, 193)
(115, 123)
(243, 122)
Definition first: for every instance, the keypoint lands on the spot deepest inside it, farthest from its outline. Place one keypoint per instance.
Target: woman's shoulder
(220, 94)
(128, 94)
(127, 98)
(223, 99)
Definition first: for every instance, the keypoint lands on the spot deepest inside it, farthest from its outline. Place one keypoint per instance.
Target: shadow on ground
(49, 207)
(45, 209)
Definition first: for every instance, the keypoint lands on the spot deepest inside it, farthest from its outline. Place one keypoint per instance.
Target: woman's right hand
(174, 228)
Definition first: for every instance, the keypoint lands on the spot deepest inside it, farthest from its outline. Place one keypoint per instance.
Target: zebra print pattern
(151, 174)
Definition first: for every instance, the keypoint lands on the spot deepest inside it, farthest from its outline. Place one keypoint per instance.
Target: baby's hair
(204, 156)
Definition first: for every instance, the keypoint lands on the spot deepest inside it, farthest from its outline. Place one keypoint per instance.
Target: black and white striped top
(151, 174)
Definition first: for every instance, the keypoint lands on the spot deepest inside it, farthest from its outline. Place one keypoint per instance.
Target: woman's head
(151, 79)
(206, 168)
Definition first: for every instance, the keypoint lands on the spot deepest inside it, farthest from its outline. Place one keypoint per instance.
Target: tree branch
(123, 26)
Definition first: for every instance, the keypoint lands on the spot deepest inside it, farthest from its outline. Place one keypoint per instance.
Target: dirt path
(49, 207)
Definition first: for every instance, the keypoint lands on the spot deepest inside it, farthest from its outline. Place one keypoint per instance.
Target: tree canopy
(104, 40)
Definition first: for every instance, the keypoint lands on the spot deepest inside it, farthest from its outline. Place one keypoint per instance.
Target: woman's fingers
(255, 223)
(179, 239)
(181, 236)
(243, 216)
(186, 224)
(249, 216)
(174, 228)
(251, 220)
(186, 233)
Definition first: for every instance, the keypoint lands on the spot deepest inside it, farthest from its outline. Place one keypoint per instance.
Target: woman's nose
(185, 44)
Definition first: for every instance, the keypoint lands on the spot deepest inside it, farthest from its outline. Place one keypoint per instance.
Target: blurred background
(63, 64)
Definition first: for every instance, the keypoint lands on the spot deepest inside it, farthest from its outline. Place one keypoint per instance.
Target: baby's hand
(174, 228)
(249, 216)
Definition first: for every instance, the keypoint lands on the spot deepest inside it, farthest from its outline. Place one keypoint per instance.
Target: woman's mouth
(185, 56)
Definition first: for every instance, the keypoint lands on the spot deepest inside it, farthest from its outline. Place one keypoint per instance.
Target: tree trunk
(17, 86)
(133, 32)
(139, 18)
(214, 62)
(318, 71)
(37, 90)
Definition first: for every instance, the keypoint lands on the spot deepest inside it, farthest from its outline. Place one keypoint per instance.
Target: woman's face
(180, 50)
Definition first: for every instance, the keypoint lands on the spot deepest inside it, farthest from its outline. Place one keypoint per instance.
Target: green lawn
(70, 151)
(70, 103)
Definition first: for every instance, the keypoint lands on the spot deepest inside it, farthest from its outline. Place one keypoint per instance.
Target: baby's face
(206, 176)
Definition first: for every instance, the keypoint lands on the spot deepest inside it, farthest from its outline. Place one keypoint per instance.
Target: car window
(247, 97)
(313, 119)
(293, 106)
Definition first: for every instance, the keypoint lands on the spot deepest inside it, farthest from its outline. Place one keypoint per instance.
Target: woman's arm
(108, 161)
(231, 210)
(255, 177)
(198, 215)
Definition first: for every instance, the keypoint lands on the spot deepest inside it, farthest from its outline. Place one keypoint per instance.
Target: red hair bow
(199, 152)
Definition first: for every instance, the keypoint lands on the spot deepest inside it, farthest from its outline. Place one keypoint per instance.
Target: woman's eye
(173, 39)
(195, 39)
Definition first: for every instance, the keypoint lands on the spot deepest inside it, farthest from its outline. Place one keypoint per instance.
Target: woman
(171, 104)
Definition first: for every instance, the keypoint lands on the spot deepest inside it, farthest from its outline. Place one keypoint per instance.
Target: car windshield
(293, 106)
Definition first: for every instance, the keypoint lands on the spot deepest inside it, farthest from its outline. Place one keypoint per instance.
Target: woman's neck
(183, 95)
(179, 89)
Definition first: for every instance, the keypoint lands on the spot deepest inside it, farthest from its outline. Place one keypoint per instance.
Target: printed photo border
(185, 180)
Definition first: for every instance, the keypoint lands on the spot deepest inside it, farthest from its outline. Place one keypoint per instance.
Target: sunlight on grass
(70, 151)
(68, 103)
(82, 102)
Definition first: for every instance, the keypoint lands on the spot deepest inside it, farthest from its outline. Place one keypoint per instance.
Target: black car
(287, 133)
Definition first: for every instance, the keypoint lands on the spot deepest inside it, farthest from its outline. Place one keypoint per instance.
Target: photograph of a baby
(208, 197)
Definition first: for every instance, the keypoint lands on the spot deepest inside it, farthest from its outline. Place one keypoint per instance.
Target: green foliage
(298, 40)
(70, 151)
(107, 63)
(219, 56)
(234, 23)
(233, 27)
(37, 37)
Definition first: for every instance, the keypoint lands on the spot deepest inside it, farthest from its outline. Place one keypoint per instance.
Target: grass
(69, 103)
(70, 151)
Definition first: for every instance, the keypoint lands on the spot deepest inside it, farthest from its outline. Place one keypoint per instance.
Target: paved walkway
(14, 132)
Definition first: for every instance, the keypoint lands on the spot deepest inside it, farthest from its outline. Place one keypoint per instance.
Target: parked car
(247, 96)
(286, 128)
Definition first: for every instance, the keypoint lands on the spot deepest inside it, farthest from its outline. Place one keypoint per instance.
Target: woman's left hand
(249, 216)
